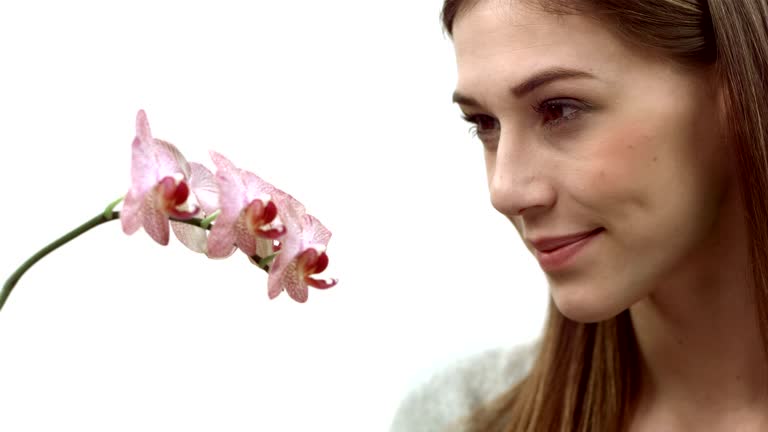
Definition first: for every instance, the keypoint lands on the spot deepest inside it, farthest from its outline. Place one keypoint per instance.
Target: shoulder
(459, 389)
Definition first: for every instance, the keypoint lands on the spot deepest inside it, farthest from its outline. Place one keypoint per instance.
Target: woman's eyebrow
(538, 79)
(548, 76)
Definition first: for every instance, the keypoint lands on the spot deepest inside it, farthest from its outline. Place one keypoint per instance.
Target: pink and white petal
(290, 249)
(130, 214)
(293, 284)
(255, 186)
(274, 290)
(277, 266)
(232, 197)
(244, 238)
(291, 242)
(289, 208)
(321, 283)
(143, 132)
(169, 159)
(225, 166)
(319, 233)
(204, 187)
(221, 240)
(143, 167)
(193, 237)
(275, 279)
(155, 222)
(284, 264)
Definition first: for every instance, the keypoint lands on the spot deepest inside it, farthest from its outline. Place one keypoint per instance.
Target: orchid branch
(270, 226)
(107, 216)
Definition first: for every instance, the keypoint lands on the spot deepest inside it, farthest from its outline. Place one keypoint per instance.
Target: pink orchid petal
(320, 283)
(183, 214)
(221, 240)
(244, 238)
(180, 194)
(143, 132)
(273, 293)
(319, 265)
(143, 172)
(295, 287)
(290, 210)
(288, 280)
(291, 213)
(255, 186)
(169, 159)
(221, 162)
(204, 188)
(288, 253)
(155, 221)
(272, 233)
(232, 192)
(276, 271)
(253, 213)
(166, 187)
(319, 233)
(285, 260)
(130, 214)
(270, 212)
(307, 258)
(290, 247)
(193, 237)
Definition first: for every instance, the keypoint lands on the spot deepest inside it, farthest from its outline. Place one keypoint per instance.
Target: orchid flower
(205, 195)
(159, 186)
(302, 252)
(164, 185)
(247, 220)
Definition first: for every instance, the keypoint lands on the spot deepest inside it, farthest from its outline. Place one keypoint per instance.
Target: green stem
(111, 207)
(103, 217)
(206, 223)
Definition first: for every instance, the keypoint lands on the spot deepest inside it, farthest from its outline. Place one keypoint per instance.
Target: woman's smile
(558, 253)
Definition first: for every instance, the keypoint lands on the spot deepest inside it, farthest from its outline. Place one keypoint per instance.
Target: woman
(626, 142)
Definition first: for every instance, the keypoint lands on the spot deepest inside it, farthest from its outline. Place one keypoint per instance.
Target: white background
(343, 103)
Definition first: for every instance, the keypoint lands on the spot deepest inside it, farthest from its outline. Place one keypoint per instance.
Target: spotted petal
(155, 222)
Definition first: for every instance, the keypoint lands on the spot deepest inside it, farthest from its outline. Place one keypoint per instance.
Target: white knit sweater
(449, 396)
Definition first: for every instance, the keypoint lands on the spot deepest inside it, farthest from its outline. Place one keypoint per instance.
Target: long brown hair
(587, 375)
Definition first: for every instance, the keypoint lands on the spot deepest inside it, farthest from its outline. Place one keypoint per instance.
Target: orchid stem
(206, 223)
(11, 282)
(106, 216)
(111, 207)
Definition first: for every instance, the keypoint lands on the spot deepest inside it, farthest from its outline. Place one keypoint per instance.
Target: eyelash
(540, 108)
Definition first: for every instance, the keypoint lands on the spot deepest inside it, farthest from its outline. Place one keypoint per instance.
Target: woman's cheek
(622, 163)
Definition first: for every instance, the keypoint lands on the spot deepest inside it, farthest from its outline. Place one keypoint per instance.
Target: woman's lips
(555, 253)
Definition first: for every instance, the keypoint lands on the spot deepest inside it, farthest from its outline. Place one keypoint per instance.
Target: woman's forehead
(514, 41)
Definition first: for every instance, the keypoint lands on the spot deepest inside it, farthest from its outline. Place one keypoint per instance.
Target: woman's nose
(518, 179)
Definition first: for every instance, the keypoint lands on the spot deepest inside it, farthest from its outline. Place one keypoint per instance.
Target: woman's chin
(586, 305)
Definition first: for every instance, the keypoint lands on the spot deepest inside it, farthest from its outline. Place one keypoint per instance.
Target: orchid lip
(548, 244)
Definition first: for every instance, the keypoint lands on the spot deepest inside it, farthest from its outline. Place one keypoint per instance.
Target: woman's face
(609, 161)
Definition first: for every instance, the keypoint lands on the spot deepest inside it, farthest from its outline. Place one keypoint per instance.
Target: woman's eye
(482, 125)
(555, 111)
